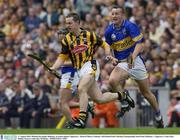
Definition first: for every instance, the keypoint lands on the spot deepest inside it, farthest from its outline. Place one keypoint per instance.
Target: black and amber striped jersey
(81, 48)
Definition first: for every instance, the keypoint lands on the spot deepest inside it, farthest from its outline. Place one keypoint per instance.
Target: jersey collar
(115, 28)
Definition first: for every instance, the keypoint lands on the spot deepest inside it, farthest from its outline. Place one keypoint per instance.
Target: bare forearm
(137, 50)
(59, 62)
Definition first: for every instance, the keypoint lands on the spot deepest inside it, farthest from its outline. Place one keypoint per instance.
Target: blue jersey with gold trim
(123, 40)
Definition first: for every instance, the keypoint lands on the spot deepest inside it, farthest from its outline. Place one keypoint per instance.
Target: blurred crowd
(37, 22)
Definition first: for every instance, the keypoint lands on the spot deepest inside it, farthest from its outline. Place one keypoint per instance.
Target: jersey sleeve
(97, 40)
(135, 33)
(64, 53)
(107, 37)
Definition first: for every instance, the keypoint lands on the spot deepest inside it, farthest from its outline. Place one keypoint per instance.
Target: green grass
(94, 131)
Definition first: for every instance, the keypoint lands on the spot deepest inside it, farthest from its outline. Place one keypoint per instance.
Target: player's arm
(137, 50)
(108, 54)
(137, 37)
(63, 56)
(107, 50)
(58, 63)
(99, 42)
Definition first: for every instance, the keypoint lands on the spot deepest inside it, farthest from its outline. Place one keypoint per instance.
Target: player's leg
(88, 73)
(117, 78)
(146, 92)
(83, 87)
(89, 86)
(65, 97)
(67, 87)
(139, 73)
(73, 104)
(97, 96)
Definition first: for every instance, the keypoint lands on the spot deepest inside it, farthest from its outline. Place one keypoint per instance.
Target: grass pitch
(103, 131)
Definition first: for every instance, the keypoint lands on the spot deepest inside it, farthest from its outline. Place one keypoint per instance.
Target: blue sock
(157, 115)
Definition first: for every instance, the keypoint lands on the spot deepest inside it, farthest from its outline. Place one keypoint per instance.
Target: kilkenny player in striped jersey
(80, 45)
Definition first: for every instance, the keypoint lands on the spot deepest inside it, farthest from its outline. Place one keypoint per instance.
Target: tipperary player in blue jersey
(126, 41)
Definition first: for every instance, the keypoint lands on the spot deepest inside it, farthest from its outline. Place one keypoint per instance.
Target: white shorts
(69, 79)
(90, 67)
(138, 72)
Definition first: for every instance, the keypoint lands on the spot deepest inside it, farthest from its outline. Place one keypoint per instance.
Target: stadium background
(37, 21)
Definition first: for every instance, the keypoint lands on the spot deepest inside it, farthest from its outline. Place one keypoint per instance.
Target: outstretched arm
(108, 53)
(58, 63)
(63, 56)
(106, 47)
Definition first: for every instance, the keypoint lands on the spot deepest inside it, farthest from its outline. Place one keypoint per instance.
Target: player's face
(71, 24)
(117, 15)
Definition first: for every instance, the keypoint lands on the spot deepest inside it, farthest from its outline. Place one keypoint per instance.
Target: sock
(82, 115)
(158, 115)
(121, 95)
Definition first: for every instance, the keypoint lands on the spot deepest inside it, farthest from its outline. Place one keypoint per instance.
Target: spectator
(32, 21)
(4, 104)
(52, 16)
(39, 103)
(19, 104)
(174, 112)
(16, 27)
(107, 112)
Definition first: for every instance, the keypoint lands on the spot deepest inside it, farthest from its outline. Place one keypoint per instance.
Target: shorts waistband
(127, 60)
(67, 69)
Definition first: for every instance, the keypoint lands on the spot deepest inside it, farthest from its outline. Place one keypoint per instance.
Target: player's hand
(113, 60)
(54, 72)
(52, 68)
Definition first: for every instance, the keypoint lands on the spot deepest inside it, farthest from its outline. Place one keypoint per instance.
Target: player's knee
(113, 81)
(63, 103)
(99, 101)
(81, 90)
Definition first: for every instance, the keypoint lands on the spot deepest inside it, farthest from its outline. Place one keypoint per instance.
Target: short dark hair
(118, 7)
(63, 31)
(75, 17)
